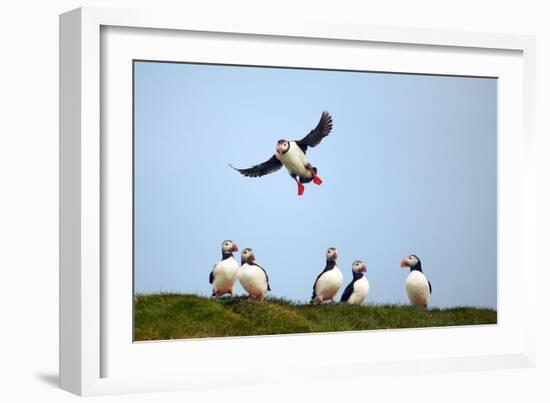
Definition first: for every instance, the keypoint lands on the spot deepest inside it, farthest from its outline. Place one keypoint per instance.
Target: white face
(359, 267)
(282, 147)
(409, 261)
(248, 255)
(229, 246)
(332, 254)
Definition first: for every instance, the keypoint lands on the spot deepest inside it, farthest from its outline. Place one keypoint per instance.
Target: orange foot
(300, 189)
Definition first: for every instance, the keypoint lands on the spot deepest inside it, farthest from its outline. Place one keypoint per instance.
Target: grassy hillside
(176, 316)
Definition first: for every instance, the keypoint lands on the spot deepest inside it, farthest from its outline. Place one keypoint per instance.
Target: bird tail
(315, 178)
(308, 180)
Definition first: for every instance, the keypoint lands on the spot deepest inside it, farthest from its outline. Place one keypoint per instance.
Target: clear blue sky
(410, 167)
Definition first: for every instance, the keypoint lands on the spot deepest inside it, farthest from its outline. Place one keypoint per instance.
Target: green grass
(180, 316)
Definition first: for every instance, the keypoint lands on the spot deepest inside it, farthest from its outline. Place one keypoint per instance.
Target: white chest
(295, 161)
(360, 291)
(225, 274)
(329, 283)
(417, 288)
(253, 279)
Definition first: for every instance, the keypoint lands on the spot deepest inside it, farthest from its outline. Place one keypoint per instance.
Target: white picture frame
(96, 354)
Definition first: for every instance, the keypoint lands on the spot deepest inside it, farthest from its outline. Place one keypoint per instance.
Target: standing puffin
(224, 273)
(418, 287)
(329, 281)
(253, 277)
(292, 154)
(356, 291)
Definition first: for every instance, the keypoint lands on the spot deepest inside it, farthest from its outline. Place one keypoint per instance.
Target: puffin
(252, 276)
(417, 285)
(224, 273)
(356, 291)
(292, 154)
(329, 281)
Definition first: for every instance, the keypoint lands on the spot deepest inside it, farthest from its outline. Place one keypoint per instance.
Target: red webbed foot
(317, 180)
(300, 189)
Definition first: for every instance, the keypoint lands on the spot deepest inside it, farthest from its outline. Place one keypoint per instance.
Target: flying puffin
(252, 276)
(418, 287)
(356, 291)
(329, 281)
(292, 154)
(224, 273)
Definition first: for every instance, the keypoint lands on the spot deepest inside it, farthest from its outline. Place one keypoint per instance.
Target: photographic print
(274, 200)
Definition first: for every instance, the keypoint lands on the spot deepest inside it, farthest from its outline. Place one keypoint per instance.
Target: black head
(359, 267)
(413, 262)
(228, 246)
(282, 147)
(332, 254)
(247, 256)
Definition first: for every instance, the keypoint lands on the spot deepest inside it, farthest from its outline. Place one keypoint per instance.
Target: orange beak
(235, 248)
(404, 264)
(364, 268)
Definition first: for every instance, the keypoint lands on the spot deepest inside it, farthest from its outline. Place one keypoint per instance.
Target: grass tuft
(184, 316)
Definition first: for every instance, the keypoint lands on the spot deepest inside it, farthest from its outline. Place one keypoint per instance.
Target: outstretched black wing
(266, 276)
(347, 293)
(315, 136)
(271, 165)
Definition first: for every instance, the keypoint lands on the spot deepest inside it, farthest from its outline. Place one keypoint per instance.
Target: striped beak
(363, 268)
(234, 248)
(404, 264)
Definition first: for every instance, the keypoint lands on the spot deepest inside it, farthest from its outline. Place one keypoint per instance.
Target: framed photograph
(287, 193)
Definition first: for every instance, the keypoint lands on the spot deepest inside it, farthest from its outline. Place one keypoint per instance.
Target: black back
(418, 267)
(349, 289)
(266, 276)
(211, 278)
